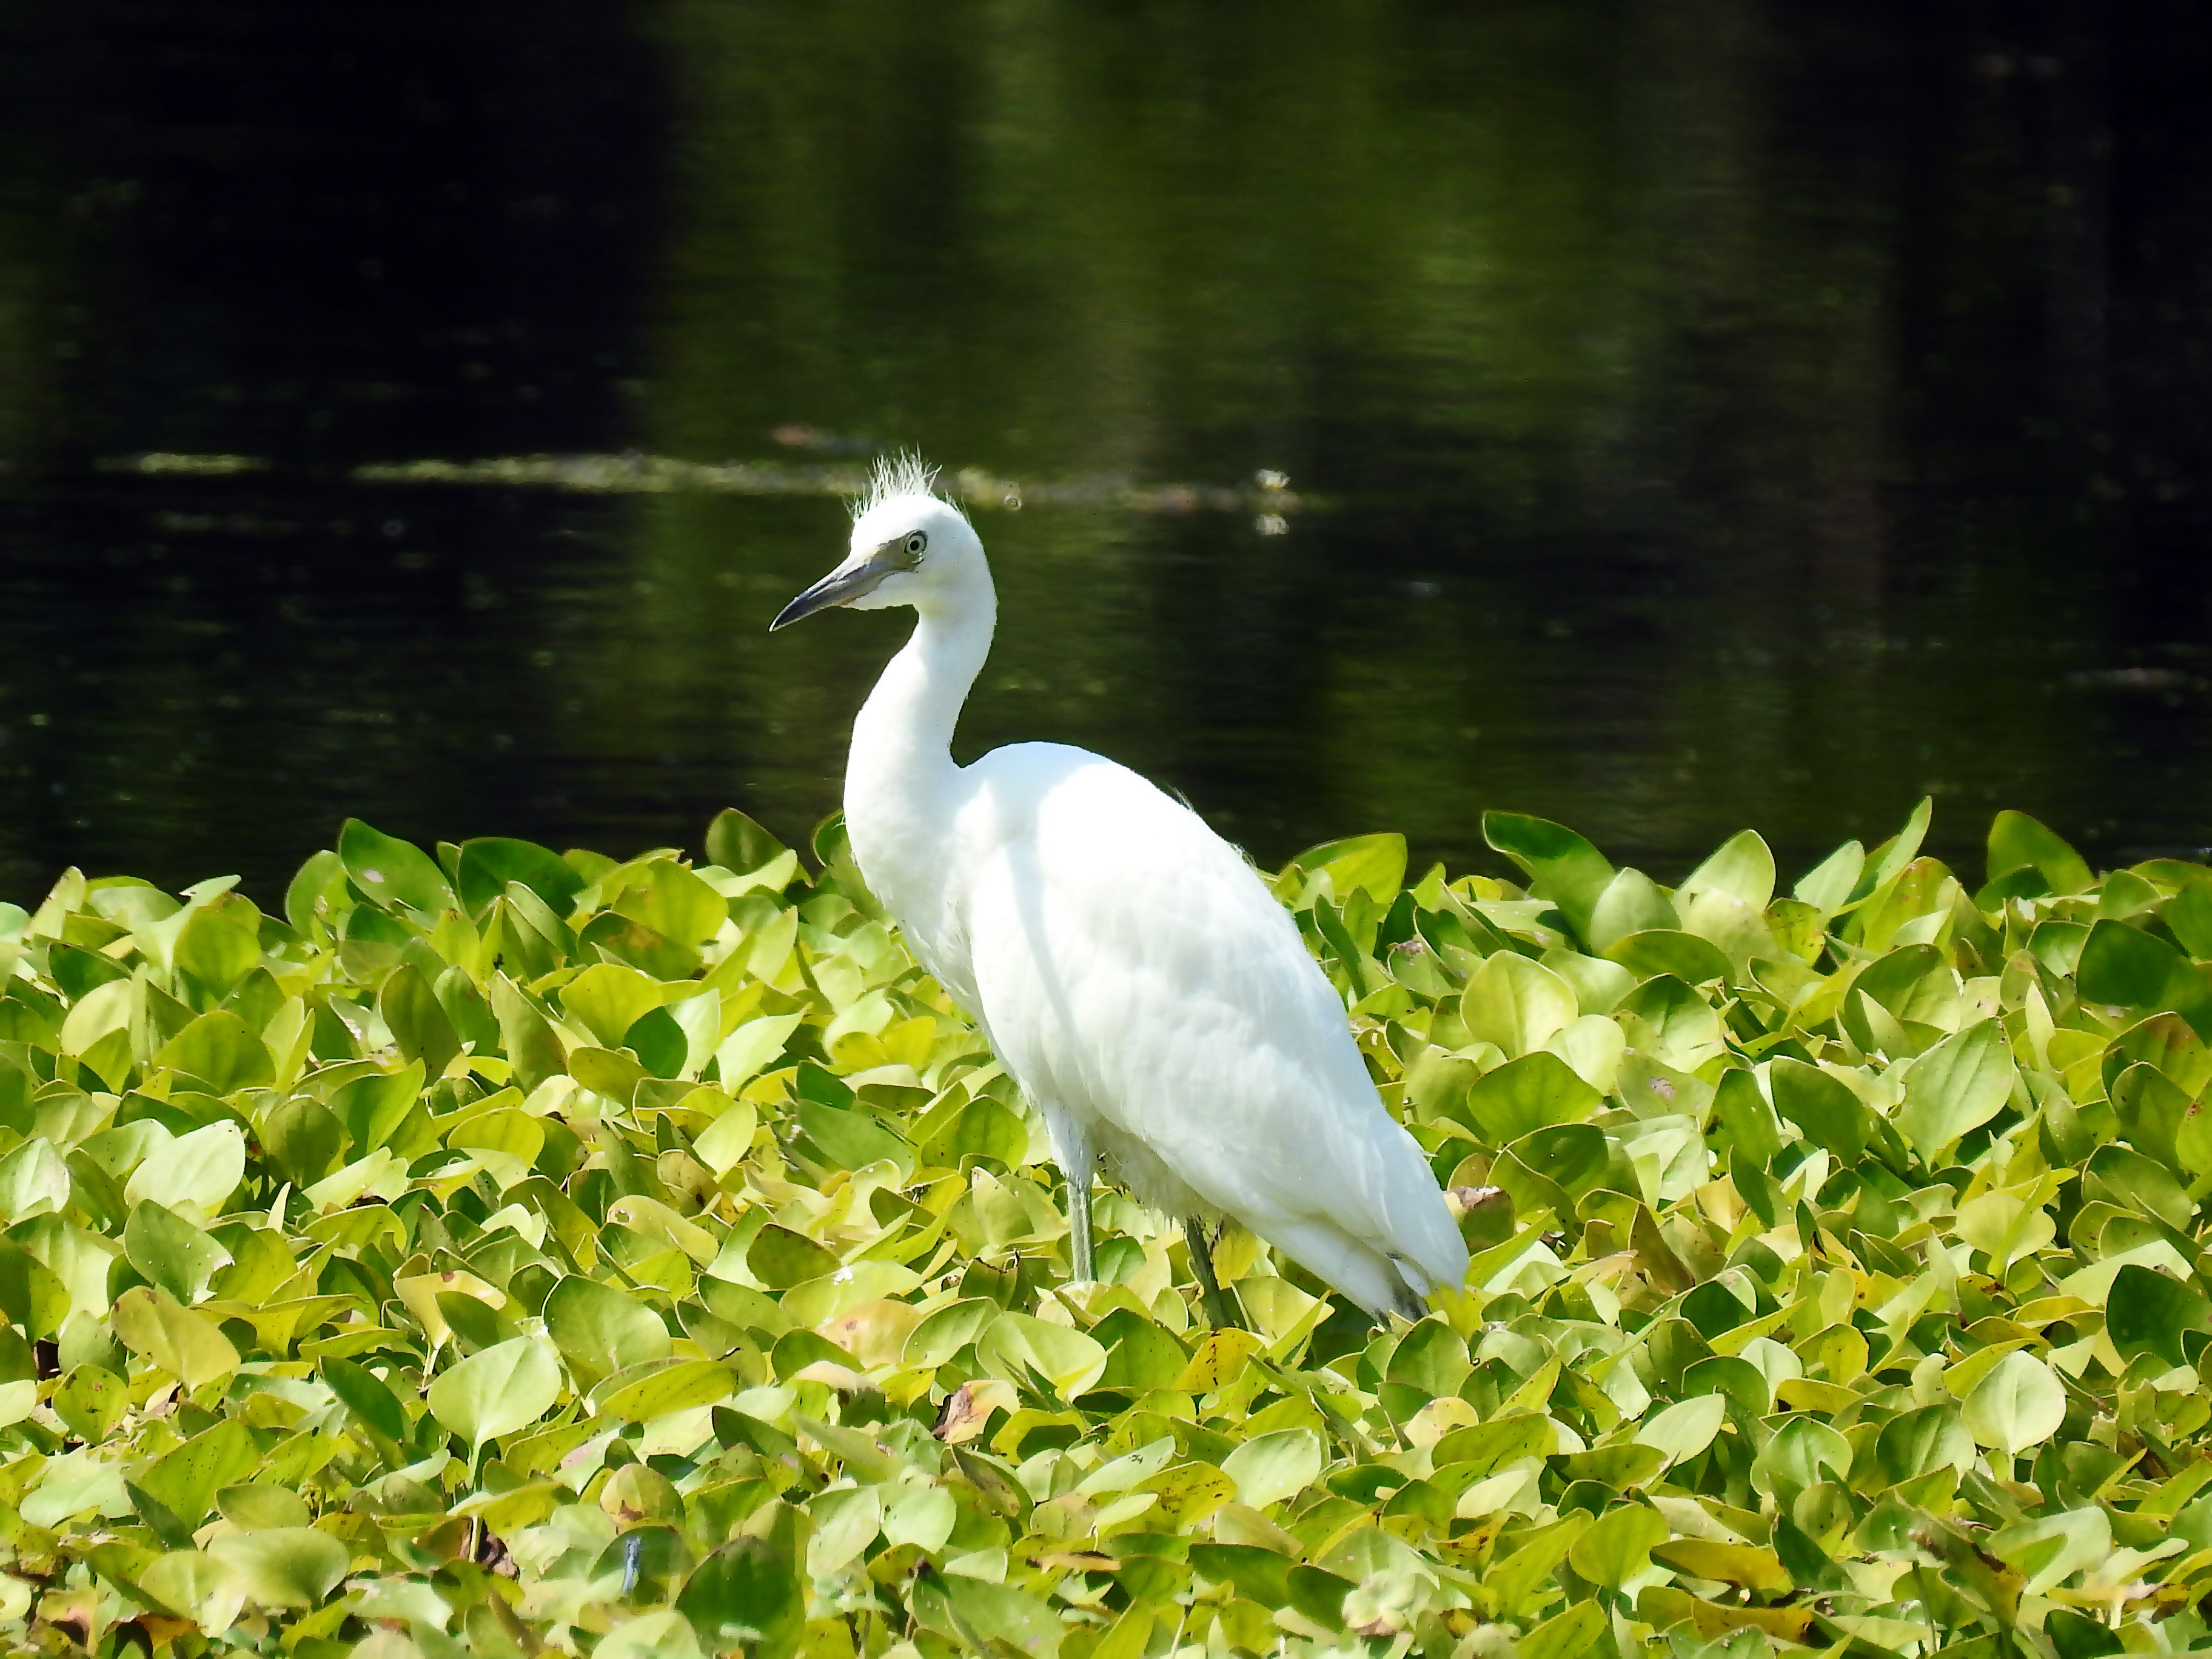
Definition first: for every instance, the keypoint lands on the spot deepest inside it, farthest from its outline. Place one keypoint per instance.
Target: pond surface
(1694, 416)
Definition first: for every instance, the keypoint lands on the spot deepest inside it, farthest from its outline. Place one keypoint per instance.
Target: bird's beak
(852, 580)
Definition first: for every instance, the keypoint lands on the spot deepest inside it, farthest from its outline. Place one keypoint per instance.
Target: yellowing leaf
(173, 1337)
(1218, 1361)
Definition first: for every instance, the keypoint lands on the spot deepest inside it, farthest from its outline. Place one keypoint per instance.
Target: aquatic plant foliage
(497, 1250)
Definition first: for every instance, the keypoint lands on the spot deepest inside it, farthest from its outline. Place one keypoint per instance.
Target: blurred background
(1697, 414)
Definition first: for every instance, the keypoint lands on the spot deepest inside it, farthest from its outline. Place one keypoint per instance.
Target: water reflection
(1701, 415)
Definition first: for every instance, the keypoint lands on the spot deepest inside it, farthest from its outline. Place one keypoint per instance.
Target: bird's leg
(1082, 1268)
(1221, 1311)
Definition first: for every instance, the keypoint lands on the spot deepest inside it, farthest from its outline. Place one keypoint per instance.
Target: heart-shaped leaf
(505, 1388)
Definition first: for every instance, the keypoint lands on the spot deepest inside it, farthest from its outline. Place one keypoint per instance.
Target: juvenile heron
(1128, 967)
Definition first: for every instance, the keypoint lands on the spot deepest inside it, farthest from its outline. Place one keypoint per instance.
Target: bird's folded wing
(1132, 966)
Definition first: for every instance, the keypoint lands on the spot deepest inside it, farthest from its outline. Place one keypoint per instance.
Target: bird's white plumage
(1130, 970)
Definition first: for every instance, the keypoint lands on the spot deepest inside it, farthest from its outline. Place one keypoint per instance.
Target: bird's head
(909, 547)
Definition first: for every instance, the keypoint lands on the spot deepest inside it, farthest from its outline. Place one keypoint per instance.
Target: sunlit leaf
(497, 1391)
(2017, 1405)
(390, 872)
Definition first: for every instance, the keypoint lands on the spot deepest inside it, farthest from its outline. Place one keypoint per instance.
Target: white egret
(1128, 968)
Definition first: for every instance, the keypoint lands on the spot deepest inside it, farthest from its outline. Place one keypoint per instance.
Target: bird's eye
(915, 543)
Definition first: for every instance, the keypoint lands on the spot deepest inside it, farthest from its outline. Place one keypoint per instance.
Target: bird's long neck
(900, 786)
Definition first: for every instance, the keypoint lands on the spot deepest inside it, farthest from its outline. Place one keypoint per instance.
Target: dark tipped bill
(838, 588)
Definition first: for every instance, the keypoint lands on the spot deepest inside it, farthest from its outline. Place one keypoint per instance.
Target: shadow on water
(1704, 416)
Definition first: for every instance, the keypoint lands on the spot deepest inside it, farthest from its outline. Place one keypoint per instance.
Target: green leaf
(503, 1388)
(393, 874)
(1259, 1575)
(2054, 1547)
(216, 950)
(1822, 1106)
(1893, 854)
(1564, 1634)
(2146, 1312)
(1562, 866)
(200, 1170)
(419, 1024)
(285, 1567)
(609, 999)
(2016, 838)
(171, 1252)
(738, 844)
(678, 905)
(1661, 951)
(1140, 1356)
(254, 1507)
(2122, 1176)
(1682, 1430)
(1517, 1004)
(1430, 1361)
(91, 1401)
(747, 1595)
(852, 1140)
(1744, 1113)
(1959, 1085)
(1572, 1155)
(1001, 1617)
(220, 1050)
(1828, 886)
(1017, 1343)
(1918, 1442)
(1743, 868)
(2190, 916)
(1618, 1545)
(2126, 966)
(607, 1072)
(1629, 903)
(1369, 865)
(2017, 1404)
(489, 863)
(984, 1129)
(173, 1337)
(780, 1258)
(524, 1034)
(34, 1181)
(185, 1479)
(953, 1326)
(1802, 1453)
(373, 1107)
(661, 1386)
(1532, 1092)
(32, 1295)
(303, 1140)
(366, 1396)
(1273, 1466)
(601, 1330)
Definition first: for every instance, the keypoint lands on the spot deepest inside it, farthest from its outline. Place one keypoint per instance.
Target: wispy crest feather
(894, 476)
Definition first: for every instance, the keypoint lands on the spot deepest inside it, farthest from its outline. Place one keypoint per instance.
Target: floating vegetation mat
(1268, 496)
(496, 1252)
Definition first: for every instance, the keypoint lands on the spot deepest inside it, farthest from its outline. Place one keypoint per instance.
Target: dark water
(1699, 413)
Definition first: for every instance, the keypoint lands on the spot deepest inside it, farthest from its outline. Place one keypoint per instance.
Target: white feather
(1130, 970)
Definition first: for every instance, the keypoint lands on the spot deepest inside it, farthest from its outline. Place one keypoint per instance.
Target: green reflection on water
(1590, 344)
(1664, 383)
